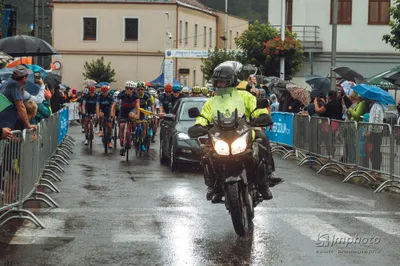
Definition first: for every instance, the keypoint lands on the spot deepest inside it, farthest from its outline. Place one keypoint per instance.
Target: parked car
(176, 147)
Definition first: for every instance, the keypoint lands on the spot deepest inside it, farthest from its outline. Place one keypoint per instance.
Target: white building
(361, 25)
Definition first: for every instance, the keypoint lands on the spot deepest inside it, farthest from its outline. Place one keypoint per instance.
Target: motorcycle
(231, 159)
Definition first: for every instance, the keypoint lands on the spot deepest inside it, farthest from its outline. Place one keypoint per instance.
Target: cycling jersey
(145, 100)
(105, 103)
(90, 104)
(164, 101)
(127, 103)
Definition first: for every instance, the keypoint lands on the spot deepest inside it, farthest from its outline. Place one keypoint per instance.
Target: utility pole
(226, 25)
(42, 31)
(334, 43)
(283, 29)
(35, 24)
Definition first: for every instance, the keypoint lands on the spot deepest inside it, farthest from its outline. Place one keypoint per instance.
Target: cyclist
(196, 91)
(176, 94)
(165, 100)
(88, 109)
(127, 100)
(156, 106)
(145, 103)
(204, 91)
(103, 111)
(96, 125)
(80, 106)
(185, 92)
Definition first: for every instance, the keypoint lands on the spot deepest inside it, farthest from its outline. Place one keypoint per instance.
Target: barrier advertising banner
(73, 111)
(63, 124)
(282, 130)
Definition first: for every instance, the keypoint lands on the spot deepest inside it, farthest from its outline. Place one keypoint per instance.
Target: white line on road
(389, 226)
(347, 198)
(312, 227)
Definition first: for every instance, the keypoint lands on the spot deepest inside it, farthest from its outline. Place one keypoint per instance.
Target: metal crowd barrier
(350, 148)
(28, 164)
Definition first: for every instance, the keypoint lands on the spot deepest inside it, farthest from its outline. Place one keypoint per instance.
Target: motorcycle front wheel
(237, 208)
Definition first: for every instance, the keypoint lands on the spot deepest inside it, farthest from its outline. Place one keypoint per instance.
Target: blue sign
(282, 130)
(63, 124)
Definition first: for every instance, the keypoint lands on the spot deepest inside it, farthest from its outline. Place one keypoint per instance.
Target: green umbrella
(378, 79)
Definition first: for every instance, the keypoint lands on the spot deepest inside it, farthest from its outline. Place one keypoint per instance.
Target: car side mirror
(169, 117)
(194, 112)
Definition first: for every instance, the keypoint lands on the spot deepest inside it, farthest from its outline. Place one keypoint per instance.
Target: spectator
(31, 110)
(57, 99)
(332, 109)
(6, 133)
(376, 116)
(275, 103)
(13, 91)
(44, 110)
(252, 86)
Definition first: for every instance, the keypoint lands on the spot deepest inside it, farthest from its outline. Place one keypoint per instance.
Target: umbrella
(5, 58)
(24, 45)
(31, 87)
(374, 93)
(392, 77)
(318, 84)
(347, 73)
(381, 80)
(88, 82)
(52, 80)
(299, 93)
(242, 85)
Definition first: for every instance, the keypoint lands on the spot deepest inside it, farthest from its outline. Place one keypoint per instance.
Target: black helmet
(224, 73)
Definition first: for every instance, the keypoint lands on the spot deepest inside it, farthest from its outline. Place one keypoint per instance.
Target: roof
(195, 4)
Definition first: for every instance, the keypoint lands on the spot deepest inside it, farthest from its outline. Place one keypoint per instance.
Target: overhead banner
(168, 71)
(186, 53)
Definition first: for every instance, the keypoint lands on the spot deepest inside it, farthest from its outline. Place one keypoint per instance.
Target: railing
(307, 34)
(354, 149)
(28, 164)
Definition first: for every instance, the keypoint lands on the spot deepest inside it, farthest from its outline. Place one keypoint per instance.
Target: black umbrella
(348, 74)
(392, 77)
(24, 45)
(319, 85)
(52, 80)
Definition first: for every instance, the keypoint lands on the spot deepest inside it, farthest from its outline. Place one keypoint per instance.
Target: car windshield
(184, 115)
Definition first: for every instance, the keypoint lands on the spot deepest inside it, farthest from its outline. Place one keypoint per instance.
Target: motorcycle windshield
(226, 104)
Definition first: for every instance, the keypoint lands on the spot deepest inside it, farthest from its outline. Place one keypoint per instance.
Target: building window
(186, 32)
(131, 26)
(237, 35)
(210, 33)
(230, 39)
(379, 12)
(344, 11)
(90, 29)
(205, 36)
(195, 34)
(180, 31)
(194, 77)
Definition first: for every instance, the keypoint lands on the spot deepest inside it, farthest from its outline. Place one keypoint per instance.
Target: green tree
(99, 71)
(394, 37)
(252, 43)
(218, 56)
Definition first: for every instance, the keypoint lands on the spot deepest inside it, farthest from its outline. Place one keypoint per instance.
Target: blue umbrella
(374, 93)
(318, 84)
(38, 69)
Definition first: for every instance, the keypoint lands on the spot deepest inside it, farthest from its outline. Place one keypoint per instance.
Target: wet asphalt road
(139, 213)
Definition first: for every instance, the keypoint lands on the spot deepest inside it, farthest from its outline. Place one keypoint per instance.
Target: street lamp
(283, 29)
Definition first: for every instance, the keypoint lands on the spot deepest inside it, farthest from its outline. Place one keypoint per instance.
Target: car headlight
(239, 145)
(183, 136)
(220, 146)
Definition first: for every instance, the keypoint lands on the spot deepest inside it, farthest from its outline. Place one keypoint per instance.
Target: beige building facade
(133, 36)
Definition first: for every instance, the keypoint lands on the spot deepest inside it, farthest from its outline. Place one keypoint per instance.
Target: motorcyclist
(225, 82)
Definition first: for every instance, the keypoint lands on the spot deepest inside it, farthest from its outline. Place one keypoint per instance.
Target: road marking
(129, 238)
(387, 225)
(146, 211)
(312, 227)
(347, 198)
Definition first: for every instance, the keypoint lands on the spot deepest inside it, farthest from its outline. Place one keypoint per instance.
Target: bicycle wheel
(115, 138)
(105, 139)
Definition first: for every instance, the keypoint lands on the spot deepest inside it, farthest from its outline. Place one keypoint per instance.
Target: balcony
(308, 35)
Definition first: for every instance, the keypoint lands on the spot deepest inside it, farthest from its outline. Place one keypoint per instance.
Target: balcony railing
(307, 34)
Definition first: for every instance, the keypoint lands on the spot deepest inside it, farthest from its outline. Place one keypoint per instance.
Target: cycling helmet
(153, 92)
(92, 88)
(185, 90)
(85, 91)
(176, 88)
(196, 89)
(130, 84)
(204, 90)
(105, 88)
(168, 88)
(141, 85)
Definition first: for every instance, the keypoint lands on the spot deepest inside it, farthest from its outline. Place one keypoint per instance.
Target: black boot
(266, 193)
(122, 152)
(210, 193)
(274, 180)
(218, 194)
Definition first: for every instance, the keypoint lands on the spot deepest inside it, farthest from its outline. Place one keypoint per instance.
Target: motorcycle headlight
(220, 146)
(183, 136)
(239, 145)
